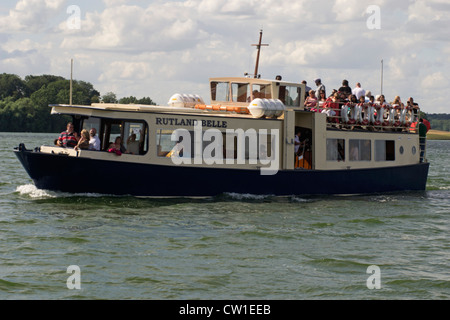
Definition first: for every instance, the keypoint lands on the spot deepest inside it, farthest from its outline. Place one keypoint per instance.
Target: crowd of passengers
(88, 140)
(318, 101)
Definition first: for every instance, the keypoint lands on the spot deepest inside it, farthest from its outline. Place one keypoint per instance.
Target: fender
(380, 113)
(389, 115)
(344, 113)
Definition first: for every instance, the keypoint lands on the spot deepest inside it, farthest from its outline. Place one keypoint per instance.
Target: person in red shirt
(67, 138)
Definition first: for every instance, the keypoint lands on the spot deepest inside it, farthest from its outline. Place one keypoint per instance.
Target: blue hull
(81, 175)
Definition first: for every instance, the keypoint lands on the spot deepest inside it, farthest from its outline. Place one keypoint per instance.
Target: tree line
(24, 103)
(439, 121)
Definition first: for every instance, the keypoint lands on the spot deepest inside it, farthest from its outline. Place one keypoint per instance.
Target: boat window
(360, 150)
(90, 123)
(261, 91)
(263, 142)
(290, 96)
(240, 92)
(220, 91)
(384, 150)
(335, 150)
(134, 137)
(134, 134)
(165, 147)
(256, 146)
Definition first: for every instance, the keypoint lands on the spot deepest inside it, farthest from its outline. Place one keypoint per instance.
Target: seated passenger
(329, 107)
(333, 104)
(132, 144)
(321, 101)
(68, 139)
(83, 143)
(119, 145)
(94, 142)
(311, 101)
(114, 147)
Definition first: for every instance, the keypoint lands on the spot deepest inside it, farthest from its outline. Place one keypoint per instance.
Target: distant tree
(34, 83)
(128, 100)
(13, 86)
(24, 104)
(134, 100)
(146, 100)
(109, 97)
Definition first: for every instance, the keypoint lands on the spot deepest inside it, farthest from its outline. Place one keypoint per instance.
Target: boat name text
(191, 122)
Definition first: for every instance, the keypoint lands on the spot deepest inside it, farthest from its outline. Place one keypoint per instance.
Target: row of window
(246, 92)
(255, 146)
(109, 129)
(360, 150)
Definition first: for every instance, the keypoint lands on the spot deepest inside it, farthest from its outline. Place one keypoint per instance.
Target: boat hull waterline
(84, 175)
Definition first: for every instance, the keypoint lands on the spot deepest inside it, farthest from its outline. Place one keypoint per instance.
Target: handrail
(351, 115)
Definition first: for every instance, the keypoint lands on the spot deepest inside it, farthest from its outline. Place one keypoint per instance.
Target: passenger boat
(242, 141)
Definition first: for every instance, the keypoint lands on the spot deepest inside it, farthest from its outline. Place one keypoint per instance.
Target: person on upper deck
(311, 101)
(413, 106)
(333, 103)
(320, 86)
(381, 100)
(358, 91)
(321, 101)
(67, 139)
(306, 88)
(398, 102)
(345, 88)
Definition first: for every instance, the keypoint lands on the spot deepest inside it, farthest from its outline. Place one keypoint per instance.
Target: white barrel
(257, 108)
(270, 108)
(185, 100)
(176, 101)
(266, 108)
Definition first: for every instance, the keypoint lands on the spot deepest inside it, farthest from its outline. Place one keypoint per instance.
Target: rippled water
(229, 247)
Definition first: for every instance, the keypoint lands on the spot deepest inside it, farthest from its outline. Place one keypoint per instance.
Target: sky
(158, 48)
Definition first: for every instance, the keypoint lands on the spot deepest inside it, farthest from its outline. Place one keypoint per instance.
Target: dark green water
(229, 247)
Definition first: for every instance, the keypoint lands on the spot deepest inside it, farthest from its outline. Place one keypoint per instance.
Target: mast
(381, 76)
(258, 47)
(71, 79)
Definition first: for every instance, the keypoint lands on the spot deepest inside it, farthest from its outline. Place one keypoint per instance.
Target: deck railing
(368, 116)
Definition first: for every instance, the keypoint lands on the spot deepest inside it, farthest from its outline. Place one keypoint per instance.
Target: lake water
(233, 246)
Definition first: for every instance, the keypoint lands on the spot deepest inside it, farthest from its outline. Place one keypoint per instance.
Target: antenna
(258, 47)
(381, 76)
(71, 79)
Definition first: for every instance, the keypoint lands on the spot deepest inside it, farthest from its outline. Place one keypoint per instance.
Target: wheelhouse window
(261, 91)
(384, 150)
(360, 150)
(220, 91)
(335, 150)
(290, 96)
(240, 92)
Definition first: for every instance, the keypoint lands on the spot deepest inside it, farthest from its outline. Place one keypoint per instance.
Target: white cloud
(30, 15)
(157, 48)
